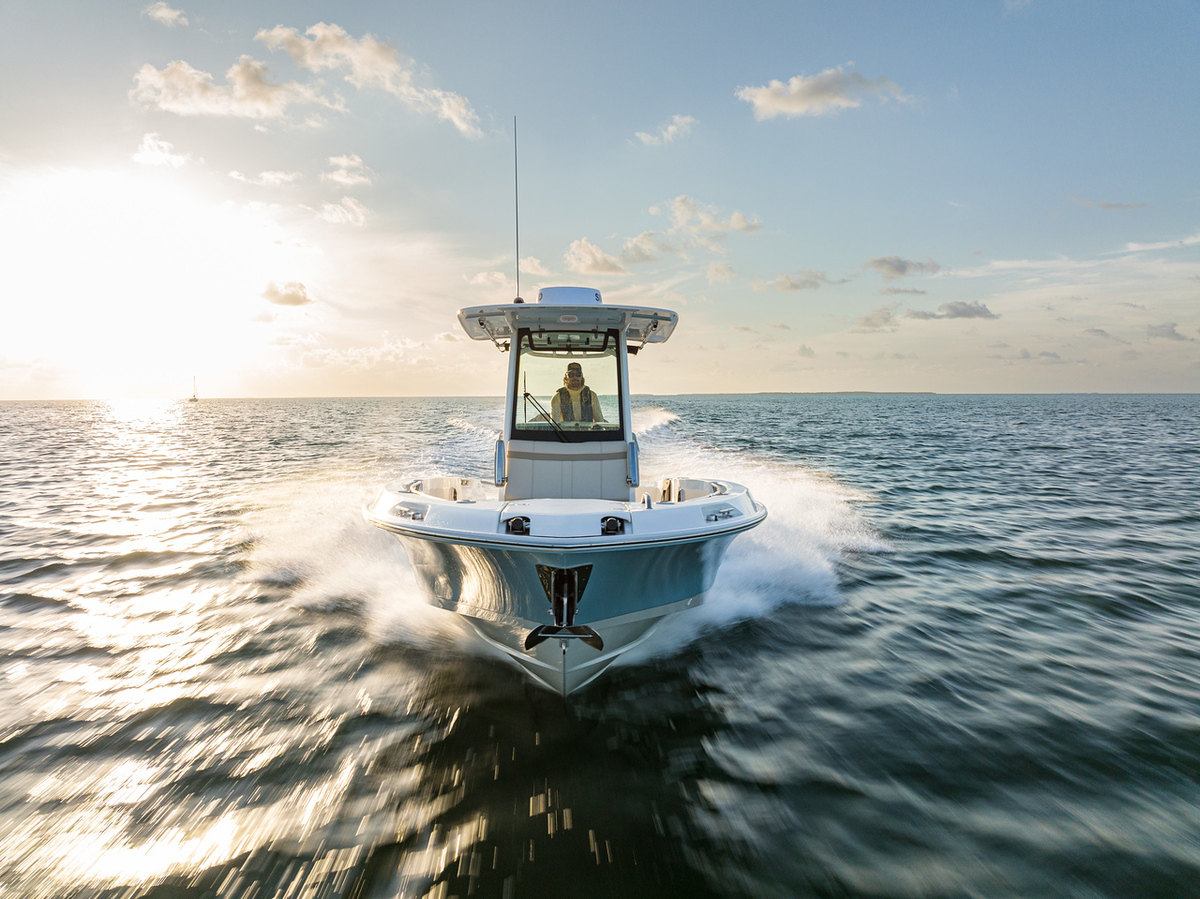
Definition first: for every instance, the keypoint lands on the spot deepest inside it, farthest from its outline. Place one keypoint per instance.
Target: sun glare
(126, 284)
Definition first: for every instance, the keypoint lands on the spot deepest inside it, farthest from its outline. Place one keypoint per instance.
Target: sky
(295, 198)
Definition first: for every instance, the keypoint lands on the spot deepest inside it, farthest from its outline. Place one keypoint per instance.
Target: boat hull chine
(503, 595)
(565, 666)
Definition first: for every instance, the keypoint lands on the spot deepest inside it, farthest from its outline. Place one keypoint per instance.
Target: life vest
(567, 408)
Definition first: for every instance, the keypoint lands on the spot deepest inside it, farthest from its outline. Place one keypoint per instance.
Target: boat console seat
(539, 469)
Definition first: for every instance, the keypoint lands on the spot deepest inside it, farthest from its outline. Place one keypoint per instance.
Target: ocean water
(960, 658)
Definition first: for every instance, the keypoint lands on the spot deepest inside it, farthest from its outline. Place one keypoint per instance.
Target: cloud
(881, 319)
(531, 265)
(370, 63)
(1101, 333)
(831, 90)
(1163, 245)
(153, 151)
(348, 171)
(893, 267)
(1106, 206)
(807, 352)
(186, 91)
(645, 248)
(973, 309)
(490, 279)
(1166, 331)
(165, 15)
(348, 212)
(268, 179)
(586, 258)
(679, 126)
(805, 279)
(694, 219)
(291, 293)
(891, 291)
(720, 271)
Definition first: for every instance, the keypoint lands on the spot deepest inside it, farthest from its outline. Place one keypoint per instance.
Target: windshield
(568, 386)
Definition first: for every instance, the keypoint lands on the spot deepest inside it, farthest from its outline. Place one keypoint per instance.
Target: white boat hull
(629, 591)
(566, 665)
(468, 561)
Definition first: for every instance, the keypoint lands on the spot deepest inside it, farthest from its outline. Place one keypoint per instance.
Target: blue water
(960, 658)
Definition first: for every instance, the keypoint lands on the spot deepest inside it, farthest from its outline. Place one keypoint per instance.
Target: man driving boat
(575, 401)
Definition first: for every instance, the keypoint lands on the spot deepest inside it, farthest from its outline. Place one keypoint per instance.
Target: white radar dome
(569, 296)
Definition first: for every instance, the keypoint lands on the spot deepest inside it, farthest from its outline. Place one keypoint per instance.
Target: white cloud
(831, 90)
(490, 279)
(806, 351)
(348, 212)
(645, 248)
(154, 151)
(290, 293)
(893, 267)
(691, 218)
(679, 126)
(805, 279)
(698, 223)
(165, 15)
(531, 265)
(371, 63)
(1163, 245)
(268, 179)
(183, 90)
(720, 271)
(348, 171)
(586, 258)
(957, 309)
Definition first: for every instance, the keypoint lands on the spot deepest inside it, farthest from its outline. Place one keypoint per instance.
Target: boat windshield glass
(568, 386)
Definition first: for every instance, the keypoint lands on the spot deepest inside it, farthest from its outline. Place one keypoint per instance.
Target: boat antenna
(517, 210)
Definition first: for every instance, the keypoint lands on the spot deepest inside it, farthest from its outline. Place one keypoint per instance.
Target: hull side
(629, 591)
(566, 665)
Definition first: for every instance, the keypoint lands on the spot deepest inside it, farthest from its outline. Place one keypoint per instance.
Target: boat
(195, 397)
(565, 560)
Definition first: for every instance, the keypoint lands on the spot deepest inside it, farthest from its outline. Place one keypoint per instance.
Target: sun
(128, 283)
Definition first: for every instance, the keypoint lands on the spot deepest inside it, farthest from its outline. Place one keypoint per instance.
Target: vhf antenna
(517, 208)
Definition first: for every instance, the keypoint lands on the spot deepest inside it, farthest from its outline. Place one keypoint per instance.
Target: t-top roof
(567, 308)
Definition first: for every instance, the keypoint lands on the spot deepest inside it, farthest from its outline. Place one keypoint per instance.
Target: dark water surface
(961, 658)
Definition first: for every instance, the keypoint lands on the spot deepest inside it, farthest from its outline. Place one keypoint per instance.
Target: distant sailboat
(194, 398)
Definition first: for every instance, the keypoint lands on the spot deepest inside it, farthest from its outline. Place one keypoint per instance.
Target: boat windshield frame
(594, 344)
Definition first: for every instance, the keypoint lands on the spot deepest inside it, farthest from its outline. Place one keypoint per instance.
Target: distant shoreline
(500, 396)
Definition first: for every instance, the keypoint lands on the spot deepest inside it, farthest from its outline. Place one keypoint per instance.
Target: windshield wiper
(558, 431)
